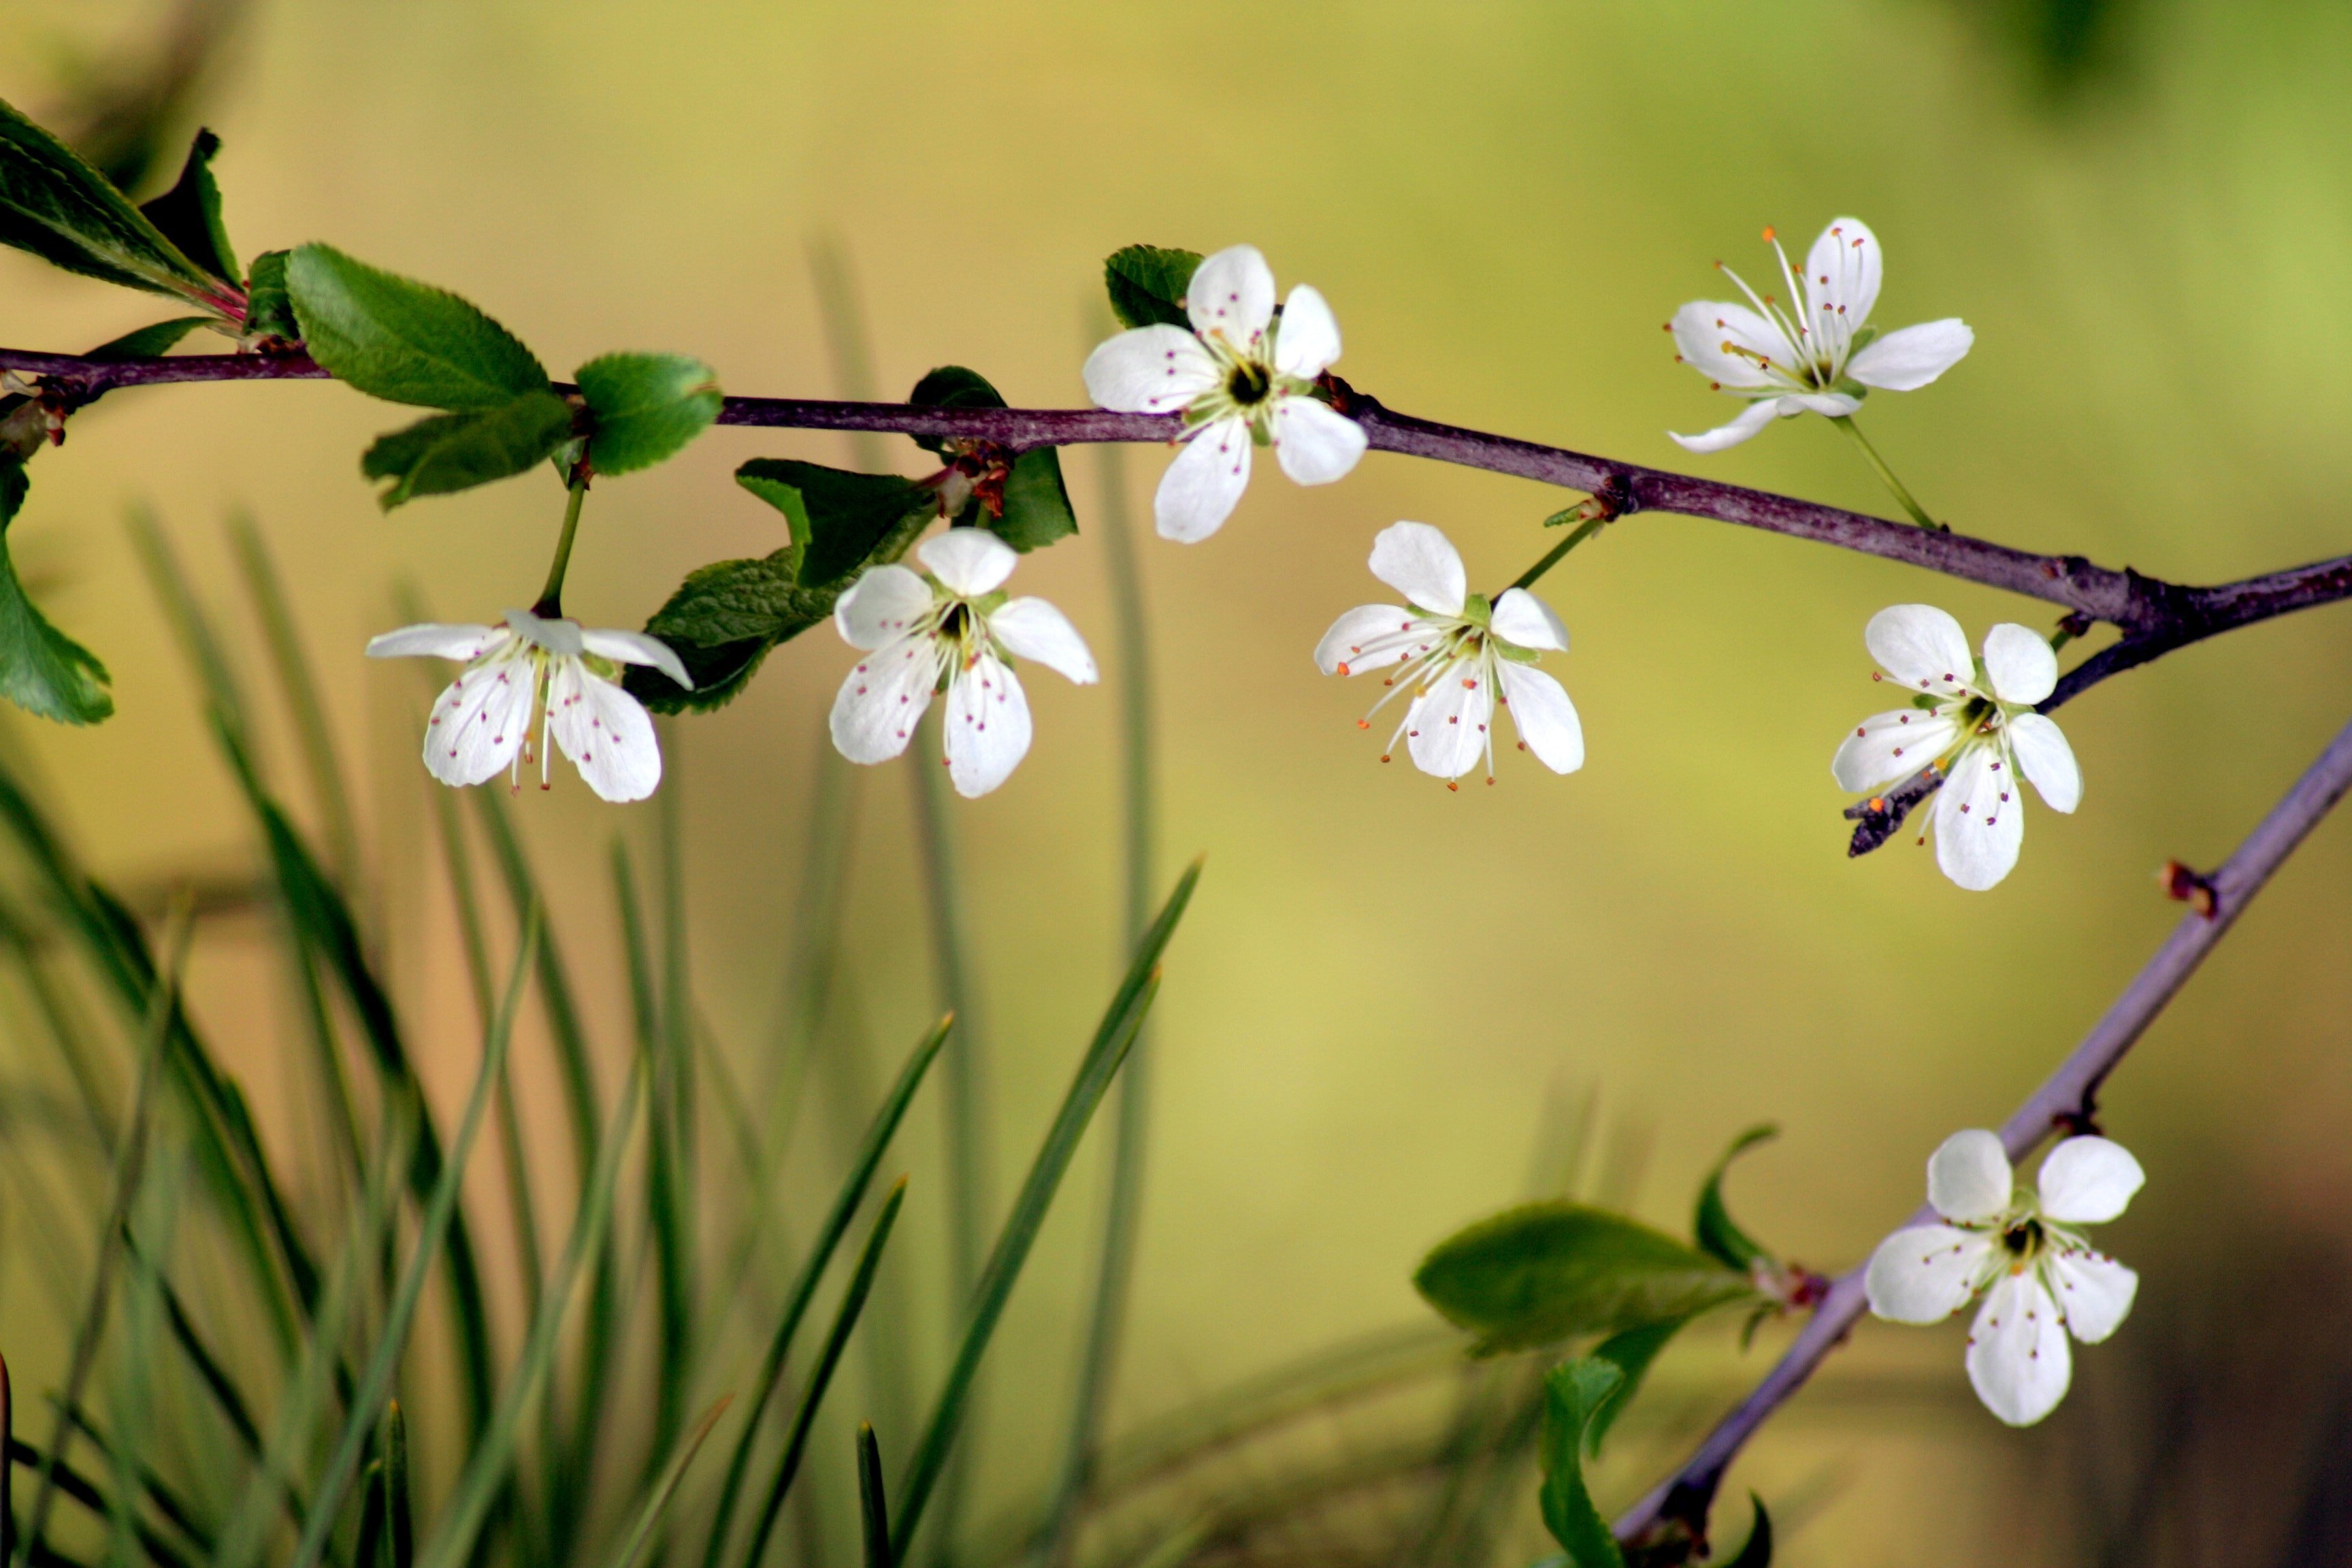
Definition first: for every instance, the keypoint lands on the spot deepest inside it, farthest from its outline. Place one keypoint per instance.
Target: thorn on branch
(2191, 888)
(1880, 818)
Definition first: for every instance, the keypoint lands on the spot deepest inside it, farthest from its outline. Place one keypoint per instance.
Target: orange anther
(1767, 234)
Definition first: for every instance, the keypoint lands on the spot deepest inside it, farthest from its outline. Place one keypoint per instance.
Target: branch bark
(2066, 1097)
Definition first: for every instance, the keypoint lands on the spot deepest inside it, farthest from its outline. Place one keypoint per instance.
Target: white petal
(606, 733)
(1521, 618)
(637, 648)
(1204, 483)
(968, 561)
(1421, 562)
(1232, 293)
(1980, 820)
(1308, 342)
(2088, 1181)
(435, 641)
(987, 722)
(873, 714)
(2018, 1358)
(1445, 727)
(559, 634)
(1032, 628)
(1921, 647)
(1724, 342)
(1889, 746)
(2094, 1292)
(1314, 443)
(1908, 359)
(1752, 418)
(1831, 404)
(1843, 272)
(2042, 751)
(880, 606)
(1968, 1177)
(480, 722)
(1544, 716)
(1151, 370)
(2020, 663)
(1370, 637)
(1925, 1274)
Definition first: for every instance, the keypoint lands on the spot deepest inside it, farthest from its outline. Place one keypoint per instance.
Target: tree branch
(2065, 1099)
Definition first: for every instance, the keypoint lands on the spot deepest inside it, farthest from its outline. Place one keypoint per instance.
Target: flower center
(2022, 1239)
(1248, 383)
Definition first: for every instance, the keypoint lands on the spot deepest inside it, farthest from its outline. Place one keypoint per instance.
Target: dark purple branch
(2065, 1099)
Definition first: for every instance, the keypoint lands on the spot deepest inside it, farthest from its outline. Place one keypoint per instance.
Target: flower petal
(1728, 344)
(1886, 747)
(1204, 483)
(1980, 820)
(1843, 272)
(1968, 1177)
(1542, 714)
(1831, 404)
(2018, 1358)
(987, 722)
(1308, 342)
(1421, 562)
(1446, 727)
(1751, 419)
(1926, 1273)
(1032, 628)
(1232, 295)
(1373, 637)
(2093, 1290)
(637, 648)
(2088, 1181)
(1920, 646)
(1910, 357)
(605, 732)
(558, 634)
(2020, 663)
(880, 606)
(433, 640)
(2042, 751)
(1151, 370)
(480, 722)
(1315, 443)
(874, 714)
(1522, 620)
(968, 561)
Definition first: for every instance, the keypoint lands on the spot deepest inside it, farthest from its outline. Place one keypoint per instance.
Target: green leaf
(189, 214)
(1712, 1225)
(721, 623)
(951, 386)
(1547, 1271)
(450, 452)
(150, 343)
(268, 309)
(1037, 509)
(872, 1507)
(42, 671)
(1757, 1553)
(1630, 1353)
(67, 213)
(840, 521)
(405, 342)
(1147, 285)
(1574, 1392)
(647, 408)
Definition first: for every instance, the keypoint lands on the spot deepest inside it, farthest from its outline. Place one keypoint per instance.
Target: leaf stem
(550, 597)
(1919, 513)
(1592, 525)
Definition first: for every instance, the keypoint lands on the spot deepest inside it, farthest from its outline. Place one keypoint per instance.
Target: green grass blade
(72, 1483)
(676, 1104)
(853, 1302)
(300, 692)
(1116, 1033)
(370, 1545)
(845, 1202)
(873, 1510)
(634, 1548)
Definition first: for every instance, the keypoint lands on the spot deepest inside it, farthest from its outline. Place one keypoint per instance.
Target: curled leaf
(1712, 1225)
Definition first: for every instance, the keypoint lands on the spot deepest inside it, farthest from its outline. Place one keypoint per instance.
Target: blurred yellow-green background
(1388, 996)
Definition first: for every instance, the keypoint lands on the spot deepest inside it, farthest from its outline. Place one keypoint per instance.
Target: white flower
(1241, 378)
(1974, 721)
(1816, 355)
(482, 722)
(1470, 658)
(923, 634)
(2040, 1279)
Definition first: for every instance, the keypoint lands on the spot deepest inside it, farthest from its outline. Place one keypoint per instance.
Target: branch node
(2191, 888)
(2080, 1122)
(1880, 817)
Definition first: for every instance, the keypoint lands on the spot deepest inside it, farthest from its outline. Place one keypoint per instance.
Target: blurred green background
(1388, 998)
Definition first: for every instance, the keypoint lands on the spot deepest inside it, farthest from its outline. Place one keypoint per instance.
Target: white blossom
(1815, 354)
(481, 724)
(1973, 720)
(1243, 377)
(2015, 1247)
(1468, 658)
(949, 631)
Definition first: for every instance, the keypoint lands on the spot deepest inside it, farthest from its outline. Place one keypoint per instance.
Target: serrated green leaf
(1573, 1393)
(405, 342)
(1548, 1271)
(148, 342)
(67, 213)
(1712, 1225)
(42, 671)
(189, 214)
(1630, 1353)
(450, 452)
(721, 622)
(268, 309)
(647, 407)
(1037, 510)
(839, 519)
(1147, 285)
